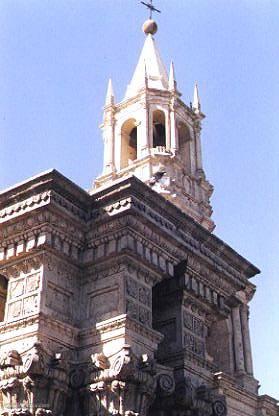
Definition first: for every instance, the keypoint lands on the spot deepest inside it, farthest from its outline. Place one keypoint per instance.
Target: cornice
(45, 182)
(125, 322)
(61, 326)
(196, 235)
(39, 320)
(39, 201)
(132, 210)
(24, 206)
(25, 322)
(234, 391)
(122, 263)
(128, 194)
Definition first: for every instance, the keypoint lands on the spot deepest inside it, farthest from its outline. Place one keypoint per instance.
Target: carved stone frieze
(41, 230)
(25, 266)
(25, 206)
(104, 270)
(39, 200)
(222, 280)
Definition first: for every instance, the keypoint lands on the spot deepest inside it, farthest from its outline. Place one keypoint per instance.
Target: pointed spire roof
(150, 63)
(110, 94)
(172, 79)
(196, 100)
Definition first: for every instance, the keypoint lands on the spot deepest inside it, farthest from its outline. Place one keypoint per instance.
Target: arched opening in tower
(184, 151)
(159, 129)
(3, 296)
(129, 142)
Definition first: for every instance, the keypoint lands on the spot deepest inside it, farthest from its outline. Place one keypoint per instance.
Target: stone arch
(159, 128)
(129, 142)
(184, 139)
(3, 296)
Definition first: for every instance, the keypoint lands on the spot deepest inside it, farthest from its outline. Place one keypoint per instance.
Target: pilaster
(109, 140)
(244, 311)
(238, 340)
(145, 123)
(173, 128)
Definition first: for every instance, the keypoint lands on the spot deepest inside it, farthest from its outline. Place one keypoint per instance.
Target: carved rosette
(32, 384)
(219, 407)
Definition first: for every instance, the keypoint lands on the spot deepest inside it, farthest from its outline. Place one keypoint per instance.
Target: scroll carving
(28, 381)
(127, 387)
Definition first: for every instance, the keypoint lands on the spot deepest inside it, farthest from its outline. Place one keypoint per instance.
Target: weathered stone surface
(104, 280)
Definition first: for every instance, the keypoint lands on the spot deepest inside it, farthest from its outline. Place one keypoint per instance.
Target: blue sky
(55, 60)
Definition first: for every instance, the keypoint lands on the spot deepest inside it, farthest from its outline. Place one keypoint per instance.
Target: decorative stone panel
(23, 295)
(138, 301)
(194, 334)
(103, 304)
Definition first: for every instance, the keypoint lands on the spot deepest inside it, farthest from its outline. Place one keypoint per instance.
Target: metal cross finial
(151, 8)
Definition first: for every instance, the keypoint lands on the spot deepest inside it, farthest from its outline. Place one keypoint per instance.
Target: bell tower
(115, 302)
(155, 136)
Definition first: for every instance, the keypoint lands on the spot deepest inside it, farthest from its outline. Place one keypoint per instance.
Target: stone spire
(172, 79)
(110, 94)
(151, 62)
(196, 100)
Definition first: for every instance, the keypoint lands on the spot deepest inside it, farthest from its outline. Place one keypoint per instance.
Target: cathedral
(122, 301)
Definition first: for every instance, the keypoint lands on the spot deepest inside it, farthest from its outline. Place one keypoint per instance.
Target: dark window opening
(133, 138)
(159, 129)
(128, 143)
(159, 135)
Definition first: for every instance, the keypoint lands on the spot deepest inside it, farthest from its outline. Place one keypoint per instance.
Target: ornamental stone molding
(99, 318)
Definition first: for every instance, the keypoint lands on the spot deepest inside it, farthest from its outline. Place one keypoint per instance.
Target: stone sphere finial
(150, 27)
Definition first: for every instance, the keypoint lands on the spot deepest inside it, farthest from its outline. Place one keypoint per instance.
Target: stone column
(198, 148)
(108, 134)
(192, 149)
(108, 155)
(173, 132)
(144, 132)
(168, 131)
(138, 126)
(238, 340)
(246, 339)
